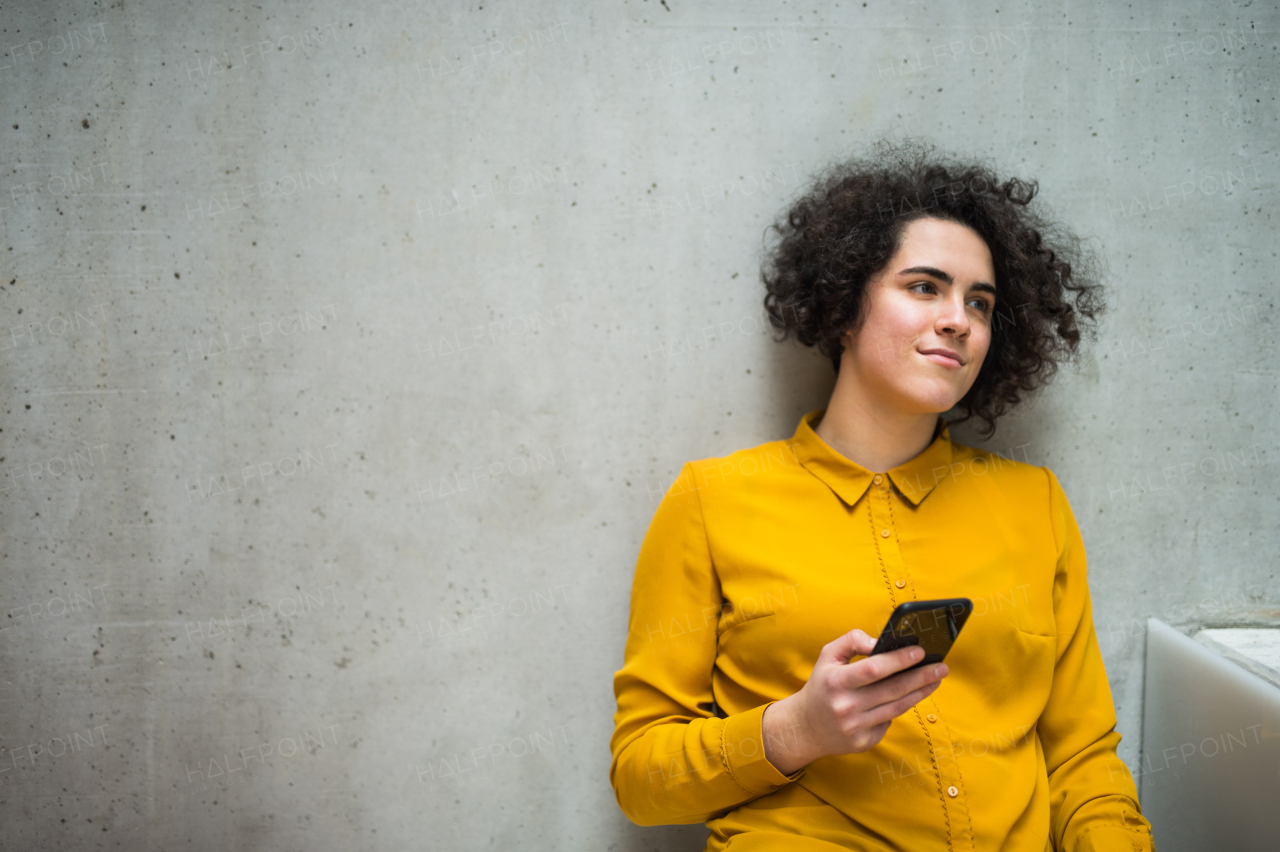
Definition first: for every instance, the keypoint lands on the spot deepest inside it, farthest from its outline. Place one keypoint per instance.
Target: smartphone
(933, 625)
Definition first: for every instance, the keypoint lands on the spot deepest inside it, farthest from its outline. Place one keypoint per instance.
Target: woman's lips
(941, 359)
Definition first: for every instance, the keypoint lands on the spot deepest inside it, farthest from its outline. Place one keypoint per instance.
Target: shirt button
(900, 583)
(878, 479)
(952, 792)
(932, 717)
(884, 533)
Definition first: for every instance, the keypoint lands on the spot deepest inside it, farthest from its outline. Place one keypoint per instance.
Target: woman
(746, 700)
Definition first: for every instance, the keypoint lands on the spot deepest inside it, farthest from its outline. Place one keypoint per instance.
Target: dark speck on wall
(84, 122)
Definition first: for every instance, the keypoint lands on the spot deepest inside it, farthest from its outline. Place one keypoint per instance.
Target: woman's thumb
(851, 644)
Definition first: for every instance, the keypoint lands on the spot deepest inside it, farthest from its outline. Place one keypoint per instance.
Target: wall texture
(347, 349)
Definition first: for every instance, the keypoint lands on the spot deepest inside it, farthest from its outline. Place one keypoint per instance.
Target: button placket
(936, 736)
(887, 541)
(949, 778)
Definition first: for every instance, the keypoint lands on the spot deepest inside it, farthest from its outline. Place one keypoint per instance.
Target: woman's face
(936, 293)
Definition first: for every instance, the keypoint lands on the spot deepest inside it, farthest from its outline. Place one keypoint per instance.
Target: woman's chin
(934, 400)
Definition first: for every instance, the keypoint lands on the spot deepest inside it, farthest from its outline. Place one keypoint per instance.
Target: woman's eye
(983, 304)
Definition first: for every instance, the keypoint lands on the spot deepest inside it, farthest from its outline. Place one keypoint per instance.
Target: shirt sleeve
(1092, 798)
(674, 760)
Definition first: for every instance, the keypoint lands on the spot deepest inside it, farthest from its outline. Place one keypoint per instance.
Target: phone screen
(933, 625)
(931, 629)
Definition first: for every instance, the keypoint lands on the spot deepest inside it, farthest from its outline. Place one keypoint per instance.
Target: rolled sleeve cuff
(742, 750)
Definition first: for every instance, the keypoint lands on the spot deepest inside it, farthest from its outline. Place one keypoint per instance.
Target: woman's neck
(872, 434)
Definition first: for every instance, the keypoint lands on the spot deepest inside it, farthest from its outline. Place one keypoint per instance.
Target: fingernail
(917, 653)
(939, 671)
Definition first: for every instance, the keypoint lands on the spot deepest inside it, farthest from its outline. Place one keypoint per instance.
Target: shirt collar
(915, 479)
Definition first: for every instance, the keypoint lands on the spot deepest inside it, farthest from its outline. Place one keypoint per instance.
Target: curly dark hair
(836, 238)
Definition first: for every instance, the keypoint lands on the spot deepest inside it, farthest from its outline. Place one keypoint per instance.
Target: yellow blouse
(756, 560)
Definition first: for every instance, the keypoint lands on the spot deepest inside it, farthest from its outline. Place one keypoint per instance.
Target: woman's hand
(845, 707)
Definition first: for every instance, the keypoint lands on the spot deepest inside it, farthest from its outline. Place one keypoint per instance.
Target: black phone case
(957, 613)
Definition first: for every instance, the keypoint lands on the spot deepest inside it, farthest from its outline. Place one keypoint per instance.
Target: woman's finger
(894, 687)
(876, 668)
(893, 709)
(875, 733)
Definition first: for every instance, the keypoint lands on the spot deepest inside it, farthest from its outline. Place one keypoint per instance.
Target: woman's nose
(953, 320)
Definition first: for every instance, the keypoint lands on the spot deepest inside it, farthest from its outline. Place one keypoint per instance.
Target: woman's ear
(847, 340)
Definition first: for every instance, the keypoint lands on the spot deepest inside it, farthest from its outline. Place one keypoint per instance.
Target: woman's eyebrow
(934, 272)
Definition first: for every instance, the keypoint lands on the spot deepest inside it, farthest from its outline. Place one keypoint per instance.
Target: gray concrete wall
(346, 350)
